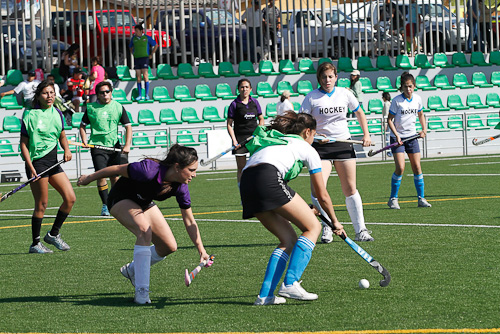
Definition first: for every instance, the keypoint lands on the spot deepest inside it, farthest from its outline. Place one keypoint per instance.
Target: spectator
(356, 88)
(284, 104)
(413, 18)
(66, 60)
(272, 22)
(97, 74)
(140, 46)
(252, 17)
(386, 98)
(59, 103)
(473, 17)
(75, 90)
(27, 87)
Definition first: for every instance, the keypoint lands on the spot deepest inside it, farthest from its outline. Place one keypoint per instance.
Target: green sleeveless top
(44, 127)
(104, 119)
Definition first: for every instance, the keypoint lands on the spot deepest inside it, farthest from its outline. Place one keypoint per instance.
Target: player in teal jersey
(142, 47)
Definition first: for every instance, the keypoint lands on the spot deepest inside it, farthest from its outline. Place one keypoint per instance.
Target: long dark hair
(178, 154)
(291, 123)
(405, 77)
(41, 86)
(72, 48)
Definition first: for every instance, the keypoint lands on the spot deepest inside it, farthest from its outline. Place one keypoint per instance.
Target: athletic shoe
(146, 98)
(40, 249)
(295, 291)
(327, 235)
(272, 300)
(393, 203)
(56, 241)
(364, 235)
(138, 98)
(389, 154)
(104, 210)
(142, 296)
(422, 203)
(128, 274)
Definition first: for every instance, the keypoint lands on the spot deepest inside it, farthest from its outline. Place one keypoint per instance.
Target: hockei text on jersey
(332, 110)
(409, 111)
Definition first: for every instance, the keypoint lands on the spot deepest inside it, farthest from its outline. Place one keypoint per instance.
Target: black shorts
(262, 188)
(44, 163)
(121, 191)
(242, 150)
(105, 158)
(141, 63)
(335, 151)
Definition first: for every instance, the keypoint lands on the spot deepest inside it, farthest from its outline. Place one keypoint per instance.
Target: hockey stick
(371, 153)
(94, 146)
(476, 142)
(13, 191)
(189, 277)
(234, 147)
(333, 140)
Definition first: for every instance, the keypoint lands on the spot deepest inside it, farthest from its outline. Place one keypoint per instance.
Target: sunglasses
(102, 92)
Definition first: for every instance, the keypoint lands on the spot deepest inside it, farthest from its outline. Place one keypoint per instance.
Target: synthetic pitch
(443, 262)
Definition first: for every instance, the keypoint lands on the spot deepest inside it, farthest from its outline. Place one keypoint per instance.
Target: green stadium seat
(296, 106)
(475, 121)
(181, 93)
(492, 120)
(384, 84)
(403, 62)
(455, 102)
(343, 82)
(440, 59)
(9, 102)
(434, 123)
(164, 71)
(135, 95)
(495, 78)
(211, 114)
(12, 124)
(161, 94)
(206, 70)
(141, 140)
(474, 101)
(455, 122)
(189, 115)
(146, 117)
(325, 60)
(58, 79)
(120, 96)
(375, 126)
(226, 69)
(271, 110)
(162, 139)
(202, 92)
(168, 117)
(185, 138)
(418, 126)
(285, 85)
(76, 119)
(306, 65)
(123, 73)
(202, 135)
(421, 61)
(185, 70)
(366, 85)
(493, 100)
(14, 77)
(246, 69)
(479, 80)
(264, 89)
(131, 119)
(287, 67)
(423, 83)
(354, 128)
(477, 58)
(460, 81)
(365, 64)
(224, 91)
(435, 103)
(6, 148)
(495, 57)
(441, 81)
(345, 65)
(385, 63)
(375, 106)
(304, 87)
(266, 67)
(151, 76)
(458, 59)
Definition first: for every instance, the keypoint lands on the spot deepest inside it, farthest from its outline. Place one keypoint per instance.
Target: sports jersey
(330, 110)
(76, 86)
(27, 88)
(43, 127)
(103, 120)
(245, 116)
(141, 45)
(405, 114)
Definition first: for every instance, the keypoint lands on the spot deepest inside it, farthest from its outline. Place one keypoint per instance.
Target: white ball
(364, 284)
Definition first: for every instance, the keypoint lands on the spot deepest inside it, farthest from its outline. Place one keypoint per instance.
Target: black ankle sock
(103, 193)
(36, 226)
(60, 218)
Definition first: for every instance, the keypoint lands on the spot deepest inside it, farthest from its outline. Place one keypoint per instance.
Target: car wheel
(338, 48)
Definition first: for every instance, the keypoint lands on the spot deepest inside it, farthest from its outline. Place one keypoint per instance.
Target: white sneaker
(422, 203)
(364, 235)
(295, 291)
(142, 296)
(393, 203)
(327, 235)
(128, 274)
(273, 300)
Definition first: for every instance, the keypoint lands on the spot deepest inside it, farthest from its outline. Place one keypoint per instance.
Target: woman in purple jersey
(130, 201)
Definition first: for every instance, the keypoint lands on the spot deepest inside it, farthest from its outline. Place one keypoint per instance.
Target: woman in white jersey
(329, 105)
(401, 120)
(265, 194)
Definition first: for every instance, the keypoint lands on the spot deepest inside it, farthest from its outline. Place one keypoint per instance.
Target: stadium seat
(164, 71)
(455, 102)
(474, 101)
(477, 58)
(135, 95)
(246, 69)
(403, 62)
(306, 65)
(421, 61)
(375, 126)
(202, 92)
(384, 63)
(418, 126)
(12, 124)
(495, 78)
(224, 91)
(120, 96)
(435, 103)
(460, 81)
(184, 137)
(6, 148)
(146, 117)
(161, 94)
(440, 59)
(345, 65)
(493, 100)
(123, 73)
(492, 120)
(304, 87)
(264, 89)
(168, 117)
(202, 135)
(211, 114)
(343, 82)
(266, 67)
(325, 60)
(354, 128)
(495, 57)
(58, 79)
(434, 123)
(287, 67)
(141, 140)
(271, 110)
(9, 102)
(441, 81)
(76, 119)
(151, 76)
(375, 106)
(475, 121)
(181, 93)
(366, 85)
(189, 115)
(384, 84)
(206, 70)
(458, 59)
(296, 106)
(162, 139)
(129, 114)
(365, 64)
(455, 122)
(226, 69)
(185, 70)
(285, 85)
(226, 110)
(14, 77)
(423, 83)
(479, 80)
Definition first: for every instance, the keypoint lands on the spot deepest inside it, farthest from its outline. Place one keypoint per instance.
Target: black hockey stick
(484, 141)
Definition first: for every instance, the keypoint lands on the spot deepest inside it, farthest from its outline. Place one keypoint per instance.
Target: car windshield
(432, 10)
(115, 19)
(336, 16)
(21, 31)
(221, 17)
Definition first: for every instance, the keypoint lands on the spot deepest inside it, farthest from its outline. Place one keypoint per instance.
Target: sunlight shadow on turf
(168, 302)
(231, 246)
(98, 299)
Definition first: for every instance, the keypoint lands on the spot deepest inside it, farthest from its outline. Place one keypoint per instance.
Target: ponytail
(291, 123)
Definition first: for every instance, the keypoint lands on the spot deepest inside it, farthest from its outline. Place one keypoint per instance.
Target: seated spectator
(284, 104)
(27, 88)
(75, 89)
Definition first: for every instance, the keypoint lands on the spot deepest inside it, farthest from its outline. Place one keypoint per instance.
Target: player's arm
(325, 201)
(65, 146)
(26, 153)
(230, 130)
(194, 232)
(128, 131)
(360, 115)
(83, 125)
(390, 123)
(423, 122)
(121, 170)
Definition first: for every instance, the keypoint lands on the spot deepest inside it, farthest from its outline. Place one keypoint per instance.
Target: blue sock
(139, 89)
(299, 260)
(395, 184)
(275, 268)
(419, 184)
(146, 84)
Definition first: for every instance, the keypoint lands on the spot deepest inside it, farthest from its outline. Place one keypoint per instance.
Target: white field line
(31, 209)
(477, 163)
(473, 174)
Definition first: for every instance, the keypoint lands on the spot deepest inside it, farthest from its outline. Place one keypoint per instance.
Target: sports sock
(275, 268)
(319, 208)
(146, 85)
(395, 184)
(142, 259)
(419, 184)
(103, 193)
(354, 206)
(139, 89)
(155, 258)
(36, 226)
(60, 218)
(299, 260)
